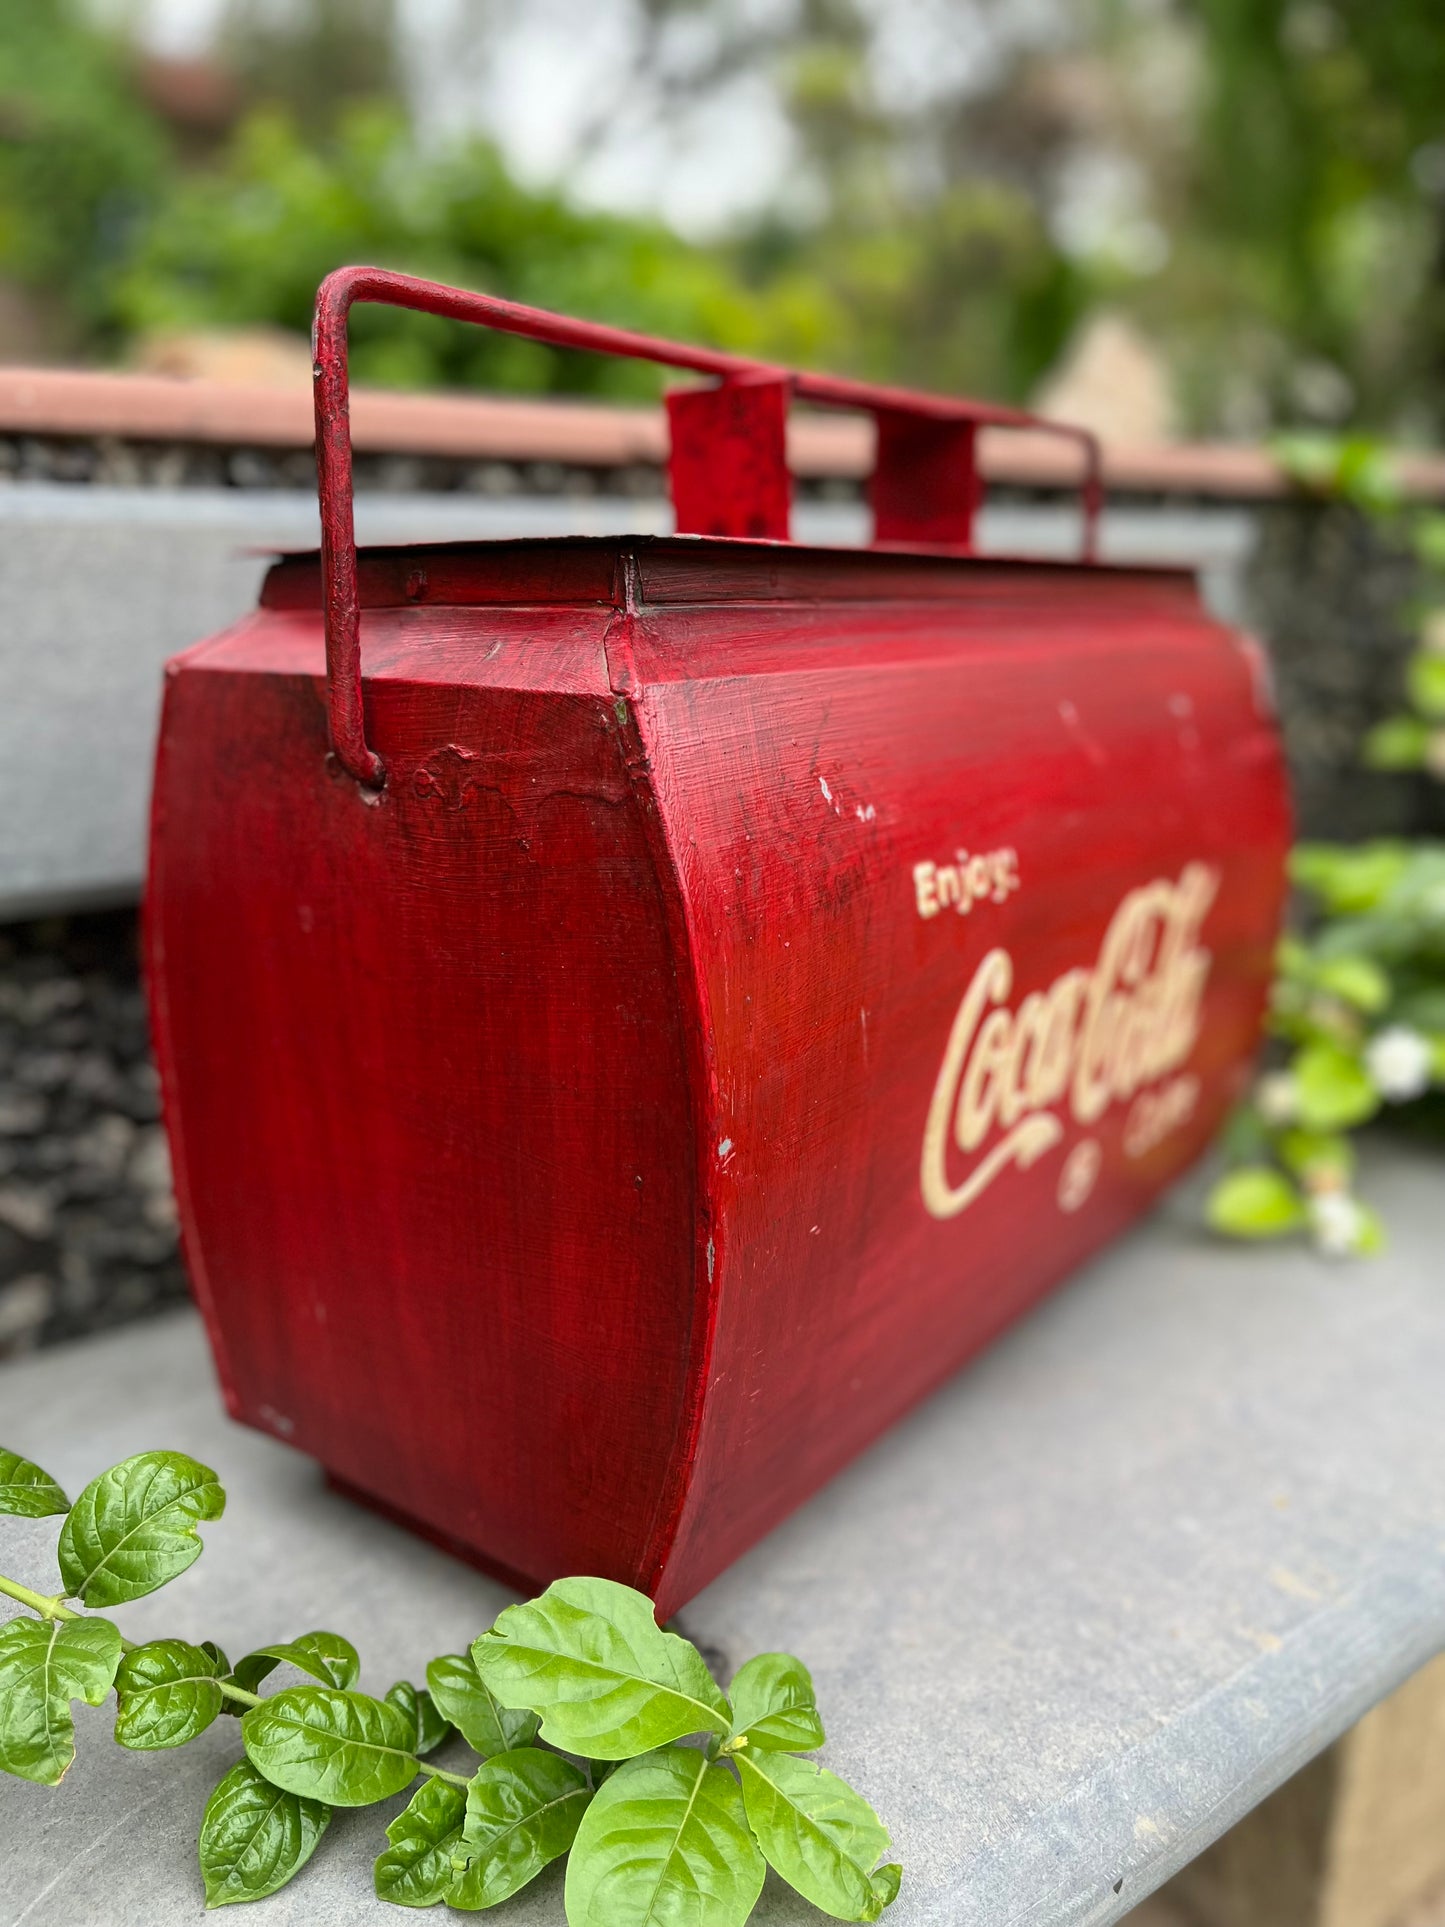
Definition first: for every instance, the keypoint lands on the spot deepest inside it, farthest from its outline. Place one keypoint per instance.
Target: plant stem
(37, 1601)
(440, 1773)
(239, 1694)
(50, 1608)
(57, 1609)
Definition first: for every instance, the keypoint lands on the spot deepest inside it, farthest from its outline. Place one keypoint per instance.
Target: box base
(468, 1555)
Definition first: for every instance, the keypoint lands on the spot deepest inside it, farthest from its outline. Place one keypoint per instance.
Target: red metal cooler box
(635, 1014)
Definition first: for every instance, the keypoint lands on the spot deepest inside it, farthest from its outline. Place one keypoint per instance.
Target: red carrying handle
(727, 468)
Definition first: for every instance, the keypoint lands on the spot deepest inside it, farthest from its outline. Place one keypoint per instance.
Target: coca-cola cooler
(635, 1014)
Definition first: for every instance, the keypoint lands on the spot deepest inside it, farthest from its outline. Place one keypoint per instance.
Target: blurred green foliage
(251, 239)
(124, 234)
(1284, 162)
(311, 57)
(83, 163)
(1296, 163)
(99, 214)
(933, 246)
(1359, 1006)
(1358, 1000)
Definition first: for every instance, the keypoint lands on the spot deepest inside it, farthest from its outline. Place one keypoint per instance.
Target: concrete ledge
(1068, 1623)
(100, 585)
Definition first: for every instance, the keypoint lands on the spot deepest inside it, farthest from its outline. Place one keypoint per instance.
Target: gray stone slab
(99, 585)
(1068, 1622)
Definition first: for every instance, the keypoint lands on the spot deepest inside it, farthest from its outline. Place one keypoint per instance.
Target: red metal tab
(728, 469)
(925, 480)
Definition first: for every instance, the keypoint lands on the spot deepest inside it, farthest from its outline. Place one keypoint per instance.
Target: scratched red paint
(763, 973)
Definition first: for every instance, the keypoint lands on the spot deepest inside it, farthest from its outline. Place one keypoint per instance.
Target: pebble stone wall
(87, 1221)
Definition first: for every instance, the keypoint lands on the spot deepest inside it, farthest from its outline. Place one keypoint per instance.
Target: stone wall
(1329, 591)
(87, 1222)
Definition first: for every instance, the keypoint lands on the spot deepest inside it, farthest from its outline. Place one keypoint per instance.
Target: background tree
(313, 56)
(1258, 184)
(82, 162)
(1299, 171)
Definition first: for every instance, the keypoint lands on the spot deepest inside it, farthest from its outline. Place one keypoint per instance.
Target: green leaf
(1423, 1009)
(774, 1705)
(1372, 1233)
(590, 1657)
(1316, 1154)
(1429, 537)
(1334, 1088)
(254, 1836)
(1345, 1228)
(1355, 980)
(44, 1665)
(344, 1748)
(167, 1692)
(665, 1840)
(325, 1657)
(1309, 460)
(134, 1527)
(464, 1700)
(1352, 468)
(1368, 476)
(1246, 1137)
(814, 1830)
(416, 1869)
(523, 1811)
(885, 1884)
(1425, 681)
(1256, 1201)
(1399, 742)
(1349, 878)
(25, 1491)
(421, 1709)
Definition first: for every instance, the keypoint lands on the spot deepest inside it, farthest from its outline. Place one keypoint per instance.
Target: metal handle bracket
(728, 466)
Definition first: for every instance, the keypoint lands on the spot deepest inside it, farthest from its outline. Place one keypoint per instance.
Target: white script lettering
(991, 874)
(1092, 1039)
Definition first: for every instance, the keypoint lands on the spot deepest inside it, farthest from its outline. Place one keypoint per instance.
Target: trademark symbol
(1080, 1174)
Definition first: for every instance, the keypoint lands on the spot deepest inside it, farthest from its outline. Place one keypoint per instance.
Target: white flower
(1398, 1060)
(1277, 1096)
(1337, 1222)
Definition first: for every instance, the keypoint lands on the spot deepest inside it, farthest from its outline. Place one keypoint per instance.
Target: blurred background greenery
(1235, 206)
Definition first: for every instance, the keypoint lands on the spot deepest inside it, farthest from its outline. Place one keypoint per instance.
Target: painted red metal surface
(762, 972)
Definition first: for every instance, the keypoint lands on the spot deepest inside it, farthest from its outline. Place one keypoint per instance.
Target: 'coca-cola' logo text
(1092, 1039)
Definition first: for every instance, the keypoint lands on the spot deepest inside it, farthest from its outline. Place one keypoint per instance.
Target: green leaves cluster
(1359, 1008)
(602, 1736)
(247, 241)
(1359, 1001)
(130, 1531)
